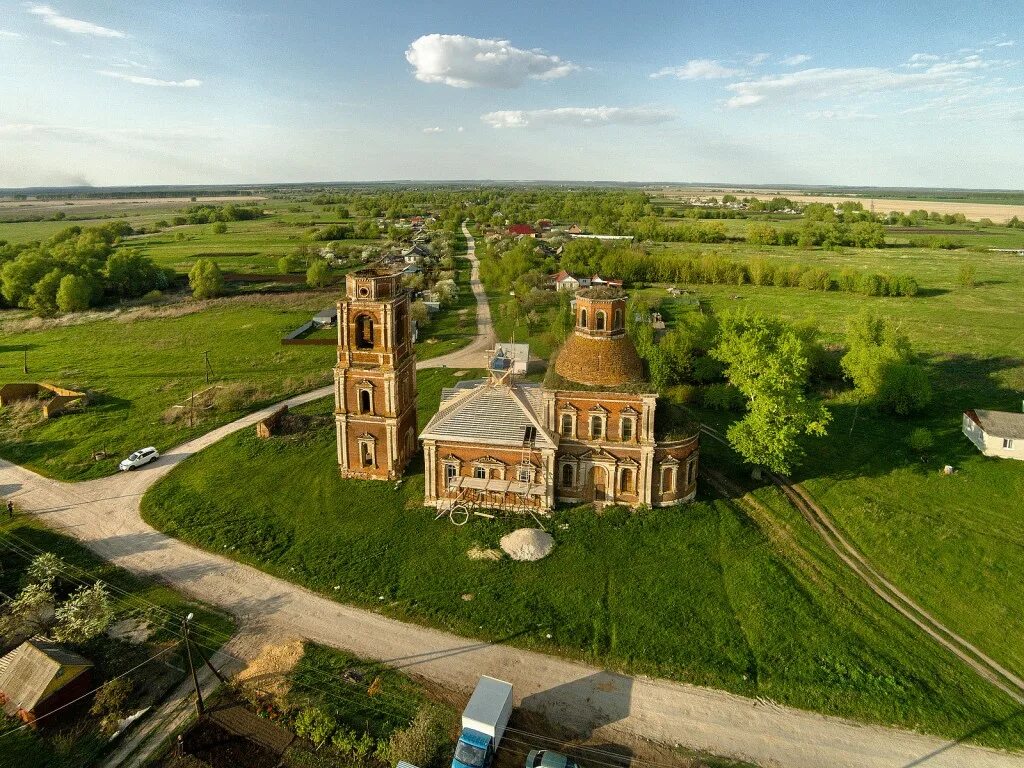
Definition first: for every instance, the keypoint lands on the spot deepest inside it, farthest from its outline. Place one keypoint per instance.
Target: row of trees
(76, 269)
(207, 213)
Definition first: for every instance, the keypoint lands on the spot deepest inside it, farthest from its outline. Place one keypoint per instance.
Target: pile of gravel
(527, 544)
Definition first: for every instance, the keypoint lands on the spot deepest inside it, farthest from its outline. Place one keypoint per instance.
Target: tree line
(75, 269)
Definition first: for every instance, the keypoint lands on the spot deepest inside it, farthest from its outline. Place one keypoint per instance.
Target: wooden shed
(38, 677)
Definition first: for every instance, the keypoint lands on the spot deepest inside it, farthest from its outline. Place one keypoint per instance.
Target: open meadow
(696, 593)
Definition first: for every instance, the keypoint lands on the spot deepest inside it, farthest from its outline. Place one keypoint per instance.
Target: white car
(139, 458)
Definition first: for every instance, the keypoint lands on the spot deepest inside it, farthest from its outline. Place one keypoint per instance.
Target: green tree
(219, 228)
(205, 279)
(74, 294)
(317, 275)
(43, 300)
(766, 361)
(905, 389)
(921, 440)
(872, 344)
(84, 615)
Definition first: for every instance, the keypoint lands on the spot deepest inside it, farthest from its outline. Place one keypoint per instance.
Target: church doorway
(598, 483)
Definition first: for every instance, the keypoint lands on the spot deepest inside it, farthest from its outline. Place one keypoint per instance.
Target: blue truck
(483, 723)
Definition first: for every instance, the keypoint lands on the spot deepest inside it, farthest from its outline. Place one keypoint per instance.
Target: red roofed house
(521, 229)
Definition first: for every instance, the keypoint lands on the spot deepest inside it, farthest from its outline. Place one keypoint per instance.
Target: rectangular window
(525, 475)
(480, 473)
(596, 427)
(691, 472)
(566, 425)
(627, 429)
(450, 470)
(1008, 443)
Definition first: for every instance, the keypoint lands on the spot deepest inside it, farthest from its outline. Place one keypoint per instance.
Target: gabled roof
(36, 670)
(998, 423)
(490, 413)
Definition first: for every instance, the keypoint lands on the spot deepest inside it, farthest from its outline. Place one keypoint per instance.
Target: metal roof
(36, 670)
(489, 412)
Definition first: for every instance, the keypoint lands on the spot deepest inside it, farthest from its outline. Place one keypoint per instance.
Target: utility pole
(24, 365)
(195, 678)
(192, 409)
(209, 370)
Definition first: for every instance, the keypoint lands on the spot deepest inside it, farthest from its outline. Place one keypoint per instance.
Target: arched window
(567, 476)
(364, 332)
(366, 453)
(566, 425)
(583, 318)
(618, 320)
(668, 477)
(596, 427)
(626, 480)
(365, 401)
(600, 320)
(450, 471)
(627, 428)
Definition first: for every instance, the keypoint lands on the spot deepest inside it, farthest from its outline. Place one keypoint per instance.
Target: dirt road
(104, 515)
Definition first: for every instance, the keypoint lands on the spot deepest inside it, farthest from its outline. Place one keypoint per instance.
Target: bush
(110, 700)
(316, 725)
(848, 280)
(921, 440)
(904, 389)
(205, 279)
(220, 228)
(424, 742)
(706, 368)
(290, 263)
(317, 275)
(73, 294)
(816, 279)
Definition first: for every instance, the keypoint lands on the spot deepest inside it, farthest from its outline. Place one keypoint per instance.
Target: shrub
(289, 263)
(871, 285)
(73, 294)
(424, 742)
(848, 280)
(110, 700)
(317, 274)
(220, 228)
(761, 272)
(706, 368)
(921, 440)
(816, 279)
(316, 725)
(904, 389)
(206, 279)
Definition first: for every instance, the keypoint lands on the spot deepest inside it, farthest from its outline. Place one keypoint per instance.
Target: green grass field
(139, 364)
(696, 593)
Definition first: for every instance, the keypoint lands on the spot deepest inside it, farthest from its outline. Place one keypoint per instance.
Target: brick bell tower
(375, 379)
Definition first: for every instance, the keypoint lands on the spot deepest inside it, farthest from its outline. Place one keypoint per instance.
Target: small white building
(514, 357)
(996, 433)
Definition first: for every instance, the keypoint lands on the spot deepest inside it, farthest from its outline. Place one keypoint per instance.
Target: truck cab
(473, 750)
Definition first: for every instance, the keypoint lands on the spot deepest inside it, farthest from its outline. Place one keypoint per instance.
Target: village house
(996, 433)
(592, 433)
(563, 281)
(39, 677)
(524, 230)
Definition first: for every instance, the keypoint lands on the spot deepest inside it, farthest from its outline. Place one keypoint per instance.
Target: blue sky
(101, 92)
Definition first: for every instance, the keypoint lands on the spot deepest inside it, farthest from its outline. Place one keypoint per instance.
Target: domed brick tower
(599, 353)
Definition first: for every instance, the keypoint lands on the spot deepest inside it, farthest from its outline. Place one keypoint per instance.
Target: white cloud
(467, 62)
(841, 114)
(699, 69)
(919, 60)
(75, 26)
(151, 81)
(577, 116)
(795, 60)
(758, 59)
(1005, 43)
(435, 129)
(823, 82)
(6, 33)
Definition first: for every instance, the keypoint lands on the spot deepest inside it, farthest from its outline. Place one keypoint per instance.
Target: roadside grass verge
(697, 593)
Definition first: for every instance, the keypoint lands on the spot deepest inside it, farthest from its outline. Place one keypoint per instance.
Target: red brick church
(593, 432)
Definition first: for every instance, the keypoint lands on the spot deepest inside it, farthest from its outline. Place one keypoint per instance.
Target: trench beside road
(104, 515)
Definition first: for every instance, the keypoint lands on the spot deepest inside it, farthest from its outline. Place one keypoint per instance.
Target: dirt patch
(133, 630)
(268, 671)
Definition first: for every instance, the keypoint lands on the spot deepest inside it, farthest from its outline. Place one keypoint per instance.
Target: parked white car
(139, 458)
